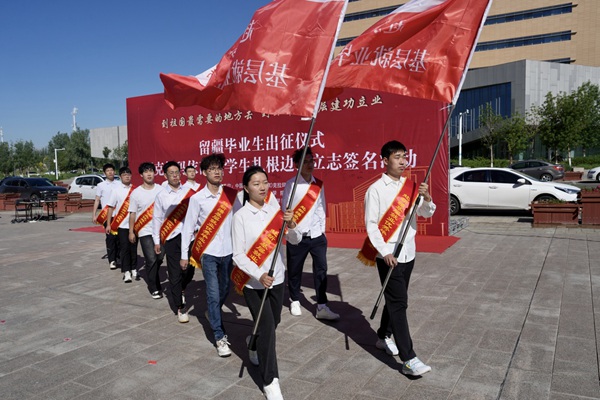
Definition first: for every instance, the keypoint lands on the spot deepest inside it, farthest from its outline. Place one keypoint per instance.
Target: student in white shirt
(118, 214)
(169, 235)
(190, 174)
(380, 197)
(216, 259)
(141, 210)
(103, 191)
(249, 224)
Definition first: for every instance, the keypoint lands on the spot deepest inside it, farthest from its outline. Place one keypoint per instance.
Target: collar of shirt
(207, 193)
(254, 210)
(389, 181)
(171, 190)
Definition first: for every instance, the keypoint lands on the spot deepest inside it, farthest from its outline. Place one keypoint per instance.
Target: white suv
(86, 185)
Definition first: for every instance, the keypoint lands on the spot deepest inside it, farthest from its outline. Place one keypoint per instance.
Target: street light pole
(56, 161)
(460, 136)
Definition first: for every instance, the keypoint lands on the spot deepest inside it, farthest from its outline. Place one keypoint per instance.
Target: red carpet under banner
(425, 243)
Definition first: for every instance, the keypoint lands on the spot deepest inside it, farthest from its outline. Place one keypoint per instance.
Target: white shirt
(192, 185)
(166, 201)
(239, 201)
(201, 205)
(378, 199)
(140, 199)
(248, 224)
(117, 197)
(313, 223)
(104, 189)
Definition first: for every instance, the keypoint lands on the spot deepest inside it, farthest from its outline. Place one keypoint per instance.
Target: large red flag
(275, 67)
(422, 49)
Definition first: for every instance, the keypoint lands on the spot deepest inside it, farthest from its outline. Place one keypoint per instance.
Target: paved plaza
(508, 312)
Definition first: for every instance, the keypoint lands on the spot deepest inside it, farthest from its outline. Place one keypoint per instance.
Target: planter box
(590, 201)
(572, 176)
(555, 214)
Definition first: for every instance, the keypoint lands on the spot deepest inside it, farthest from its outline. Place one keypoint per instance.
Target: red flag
(275, 67)
(422, 49)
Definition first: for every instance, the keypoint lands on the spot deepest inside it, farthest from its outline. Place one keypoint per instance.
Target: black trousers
(127, 251)
(269, 319)
(296, 255)
(393, 316)
(178, 278)
(153, 262)
(112, 246)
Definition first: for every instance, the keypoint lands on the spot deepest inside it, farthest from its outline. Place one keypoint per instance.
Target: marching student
(256, 228)
(118, 224)
(141, 210)
(388, 202)
(190, 174)
(103, 191)
(309, 213)
(210, 248)
(170, 208)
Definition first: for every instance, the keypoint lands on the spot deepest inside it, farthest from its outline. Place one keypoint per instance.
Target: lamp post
(56, 161)
(460, 135)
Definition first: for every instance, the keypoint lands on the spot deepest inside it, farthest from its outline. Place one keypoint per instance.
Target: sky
(93, 55)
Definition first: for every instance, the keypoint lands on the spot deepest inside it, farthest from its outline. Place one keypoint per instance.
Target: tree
(588, 109)
(78, 150)
(517, 135)
(6, 158)
(489, 123)
(24, 155)
(120, 154)
(59, 141)
(106, 152)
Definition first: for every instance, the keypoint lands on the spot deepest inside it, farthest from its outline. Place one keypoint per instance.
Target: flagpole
(252, 341)
(404, 230)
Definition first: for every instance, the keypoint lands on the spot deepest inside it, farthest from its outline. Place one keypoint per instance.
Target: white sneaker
(223, 347)
(252, 354)
(388, 345)
(273, 391)
(127, 277)
(113, 265)
(295, 308)
(415, 367)
(157, 295)
(134, 274)
(326, 313)
(182, 316)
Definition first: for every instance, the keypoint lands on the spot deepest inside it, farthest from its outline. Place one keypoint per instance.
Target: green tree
(78, 150)
(6, 158)
(517, 135)
(120, 154)
(588, 109)
(106, 152)
(490, 123)
(59, 141)
(24, 155)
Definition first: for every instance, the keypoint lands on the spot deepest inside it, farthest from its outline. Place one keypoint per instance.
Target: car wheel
(544, 197)
(546, 178)
(454, 205)
(34, 198)
(598, 177)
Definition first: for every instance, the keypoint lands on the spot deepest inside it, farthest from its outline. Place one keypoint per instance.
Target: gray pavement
(508, 312)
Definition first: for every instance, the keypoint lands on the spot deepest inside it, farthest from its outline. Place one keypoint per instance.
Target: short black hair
(170, 164)
(190, 167)
(392, 147)
(107, 166)
(217, 159)
(146, 166)
(297, 156)
(124, 170)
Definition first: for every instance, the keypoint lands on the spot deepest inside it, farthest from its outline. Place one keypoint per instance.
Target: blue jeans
(216, 271)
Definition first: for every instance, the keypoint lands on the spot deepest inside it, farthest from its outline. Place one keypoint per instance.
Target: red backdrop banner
(346, 141)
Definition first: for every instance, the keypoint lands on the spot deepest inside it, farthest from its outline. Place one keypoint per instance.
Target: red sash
(175, 217)
(143, 219)
(259, 252)
(212, 224)
(308, 201)
(390, 221)
(103, 216)
(121, 214)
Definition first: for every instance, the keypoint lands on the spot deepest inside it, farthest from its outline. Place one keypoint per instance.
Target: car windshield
(38, 182)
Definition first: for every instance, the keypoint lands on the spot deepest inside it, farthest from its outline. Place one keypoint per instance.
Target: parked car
(542, 170)
(502, 189)
(594, 174)
(32, 189)
(86, 185)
